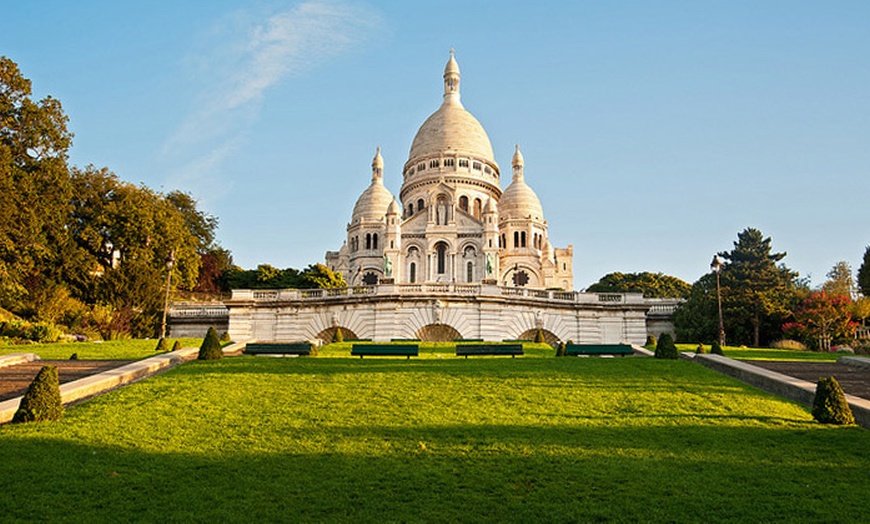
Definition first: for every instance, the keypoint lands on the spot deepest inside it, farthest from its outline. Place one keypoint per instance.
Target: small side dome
(491, 206)
(394, 208)
(372, 204)
(519, 201)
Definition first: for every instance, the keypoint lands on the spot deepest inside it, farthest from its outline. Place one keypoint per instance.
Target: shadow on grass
(469, 474)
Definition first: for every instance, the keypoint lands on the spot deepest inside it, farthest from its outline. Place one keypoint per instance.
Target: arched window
(441, 251)
(516, 239)
(368, 240)
(463, 203)
(375, 241)
(522, 239)
(470, 271)
(410, 209)
(477, 207)
(420, 205)
(412, 272)
(503, 240)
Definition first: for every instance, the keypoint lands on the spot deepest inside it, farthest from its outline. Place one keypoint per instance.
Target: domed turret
(373, 203)
(519, 200)
(451, 128)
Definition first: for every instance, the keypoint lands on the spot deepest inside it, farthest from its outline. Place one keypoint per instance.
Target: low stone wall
(800, 391)
(17, 358)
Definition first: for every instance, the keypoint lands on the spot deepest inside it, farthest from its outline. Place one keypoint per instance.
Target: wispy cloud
(244, 56)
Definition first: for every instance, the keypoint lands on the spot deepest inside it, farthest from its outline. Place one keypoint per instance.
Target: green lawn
(744, 353)
(110, 350)
(249, 439)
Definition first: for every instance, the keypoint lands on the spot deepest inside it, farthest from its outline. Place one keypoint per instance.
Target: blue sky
(653, 132)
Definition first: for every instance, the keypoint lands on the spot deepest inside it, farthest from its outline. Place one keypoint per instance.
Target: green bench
(278, 348)
(385, 350)
(575, 350)
(476, 350)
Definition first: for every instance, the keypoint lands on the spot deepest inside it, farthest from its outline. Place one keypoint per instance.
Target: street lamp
(716, 266)
(170, 261)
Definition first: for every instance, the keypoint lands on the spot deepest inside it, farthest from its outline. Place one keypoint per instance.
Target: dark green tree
(211, 346)
(652, 285)
(42, 399)
(829, 404)
(864, 274)
(665, 348)
(757, 295)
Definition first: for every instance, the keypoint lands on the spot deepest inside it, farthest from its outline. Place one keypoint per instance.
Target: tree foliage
(652, 285)
(822, 319)
(757, 295)
(840, 281)
(269, 277)
(864, 274)
(80, 246)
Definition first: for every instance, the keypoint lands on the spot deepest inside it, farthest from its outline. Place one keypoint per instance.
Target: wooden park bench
(576, 350)
(466, 350)
(278, 348)
(385, 350)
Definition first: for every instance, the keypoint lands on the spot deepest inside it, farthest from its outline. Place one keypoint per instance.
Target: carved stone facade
(454, 223)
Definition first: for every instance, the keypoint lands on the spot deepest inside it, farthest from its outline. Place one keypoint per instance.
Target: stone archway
(438, 333)
(549, 337)
(329, 333)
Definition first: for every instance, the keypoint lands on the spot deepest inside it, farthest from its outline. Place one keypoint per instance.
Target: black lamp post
(716, 266)
(170, 261)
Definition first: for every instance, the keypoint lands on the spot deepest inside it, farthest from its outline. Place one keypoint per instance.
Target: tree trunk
(756, 328)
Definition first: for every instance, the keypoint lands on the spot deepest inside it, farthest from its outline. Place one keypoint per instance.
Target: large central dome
(451, 128)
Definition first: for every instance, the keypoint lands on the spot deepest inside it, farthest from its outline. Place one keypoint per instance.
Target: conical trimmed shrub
(162, 346)
(560, 349)
(337, 337)
(716, 349)
(211, 346)
(539, 337)
(650, 341)
(176, 346)
(666, 348)
(700, 350)
(42, 399)
(829, 405)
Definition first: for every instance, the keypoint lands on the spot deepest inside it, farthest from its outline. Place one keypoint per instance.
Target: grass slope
(109, 350)
(485, 440)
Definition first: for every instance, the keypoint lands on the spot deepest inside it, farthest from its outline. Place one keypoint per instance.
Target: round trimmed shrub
(560, 349)
(716, 349)
(829, 404)
(42, 399)
(666, 348)
(211, 346)
(225, 337)
(650, 341)
(162, 345)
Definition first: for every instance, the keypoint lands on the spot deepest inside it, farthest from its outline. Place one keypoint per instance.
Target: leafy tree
(34, 187)
(652, 285)
(757, 296)
(214, 266)
(861, 309)
(199, 223)
(755, 290)
(696, 320)
(864, 274)
(269, 277)
(822, 318)
(840, 280)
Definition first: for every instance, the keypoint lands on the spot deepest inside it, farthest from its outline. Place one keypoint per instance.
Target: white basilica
(454, 223)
